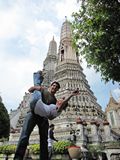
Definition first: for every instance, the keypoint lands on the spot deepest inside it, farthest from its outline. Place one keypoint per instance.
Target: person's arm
(38, 88)
(61, 104)
(52, 136)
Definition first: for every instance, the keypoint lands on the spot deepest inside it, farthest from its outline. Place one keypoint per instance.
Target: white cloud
(65, 8)
(9, 23)
(36, 34)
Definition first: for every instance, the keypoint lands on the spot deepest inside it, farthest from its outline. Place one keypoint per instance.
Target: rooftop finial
(65, 18)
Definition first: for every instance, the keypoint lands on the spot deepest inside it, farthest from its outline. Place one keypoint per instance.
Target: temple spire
(66, 51)
(65, 18)
(52, 47)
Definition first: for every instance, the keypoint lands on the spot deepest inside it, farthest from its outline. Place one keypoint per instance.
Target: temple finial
(65, 18)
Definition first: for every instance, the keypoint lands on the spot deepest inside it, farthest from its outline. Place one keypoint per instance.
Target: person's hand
(59, 102)
(31, 89)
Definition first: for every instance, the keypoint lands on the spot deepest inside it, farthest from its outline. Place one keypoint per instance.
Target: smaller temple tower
(113, 114)
(50, 63)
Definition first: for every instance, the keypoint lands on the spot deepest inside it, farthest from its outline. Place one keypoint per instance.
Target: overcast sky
(26, 28)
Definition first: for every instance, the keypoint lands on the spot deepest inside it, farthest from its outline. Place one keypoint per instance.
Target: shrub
(34, 148)
(4, 122)
(61, 146)
(58, 147)
(7, 149)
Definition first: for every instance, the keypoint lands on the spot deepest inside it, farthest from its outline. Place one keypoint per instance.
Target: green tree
(96, 36)
(4, 122)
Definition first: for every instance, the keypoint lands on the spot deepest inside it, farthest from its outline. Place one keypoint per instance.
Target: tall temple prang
(69, 74)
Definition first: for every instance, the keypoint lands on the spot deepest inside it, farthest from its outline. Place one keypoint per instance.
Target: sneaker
(38, 78)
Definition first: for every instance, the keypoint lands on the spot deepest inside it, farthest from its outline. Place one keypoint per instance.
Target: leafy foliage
(7, 149)
(4, 122)
(113, 144)
(61, 146)
(35, 148)
(94, 151)
(95, 148)
(96, 36)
